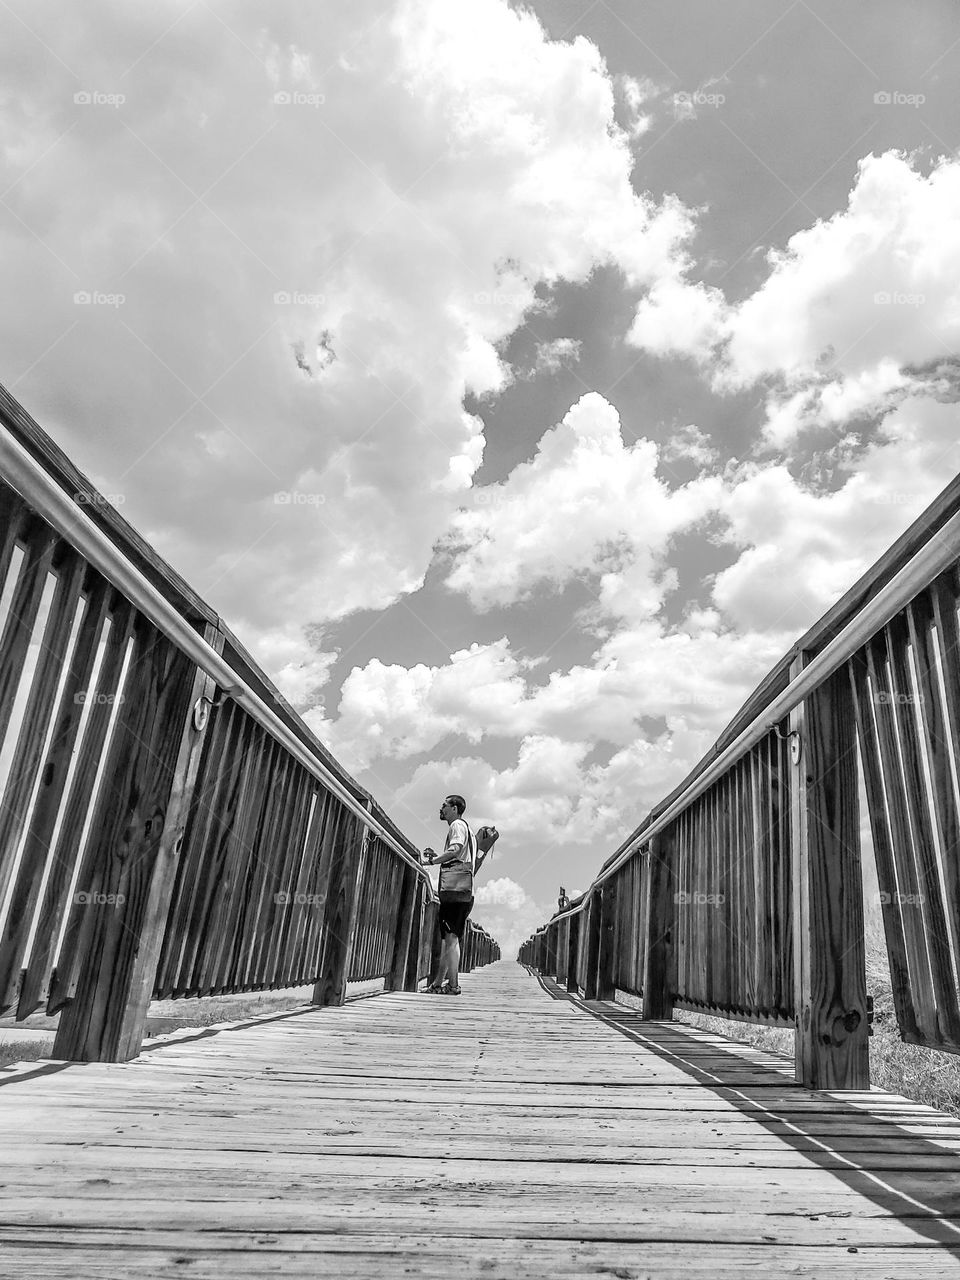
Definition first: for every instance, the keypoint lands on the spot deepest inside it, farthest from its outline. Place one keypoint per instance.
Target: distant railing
(168, 826)
(741, 893)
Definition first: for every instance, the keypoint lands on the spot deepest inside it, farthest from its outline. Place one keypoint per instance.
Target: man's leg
(449, 959)
(453, 959)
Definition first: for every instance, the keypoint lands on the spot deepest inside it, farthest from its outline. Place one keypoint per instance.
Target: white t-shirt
(459, 834)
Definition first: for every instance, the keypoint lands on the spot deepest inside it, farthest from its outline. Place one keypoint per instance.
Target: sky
(517, 380)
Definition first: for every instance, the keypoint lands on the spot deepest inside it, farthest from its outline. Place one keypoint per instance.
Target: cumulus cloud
(680, 318)
(321, 225)
(561, 353)
(585, 504)
(857, 312)
(879, 282)
(508, 913)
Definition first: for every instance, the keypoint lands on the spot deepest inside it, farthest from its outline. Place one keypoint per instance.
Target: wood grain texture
(573, 1139)
(659, 981)
(831, 995)
(132, 840)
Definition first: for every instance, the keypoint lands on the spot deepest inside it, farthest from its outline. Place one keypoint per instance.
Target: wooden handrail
(45, 496)
(760, 842)
(169, 826)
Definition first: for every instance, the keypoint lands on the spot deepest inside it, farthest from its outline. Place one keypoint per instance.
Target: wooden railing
(168, 826)
(741, 893)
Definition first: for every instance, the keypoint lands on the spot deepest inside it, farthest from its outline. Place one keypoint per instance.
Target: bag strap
(472, 846)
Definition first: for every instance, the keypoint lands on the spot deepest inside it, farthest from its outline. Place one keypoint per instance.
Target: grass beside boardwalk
(164, 1016)
(12, 1051)
(923, 1075)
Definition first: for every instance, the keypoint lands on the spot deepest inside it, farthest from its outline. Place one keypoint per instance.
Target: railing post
(593, 946)
(829, 974)
(340, 912)
(563, 933)
(607, 966)
(396, 978)
(657, 999)
(435, 944)
(573, 953)
(411, 977)
(552, 930)
(129, 873)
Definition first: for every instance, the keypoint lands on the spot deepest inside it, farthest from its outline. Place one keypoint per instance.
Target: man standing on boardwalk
(459, 864)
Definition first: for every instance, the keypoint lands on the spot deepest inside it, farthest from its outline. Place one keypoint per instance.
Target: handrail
(741, 891)
(918, 573)
(25, 475)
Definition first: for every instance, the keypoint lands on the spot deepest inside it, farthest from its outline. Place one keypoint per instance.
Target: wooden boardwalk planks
(504, 1133)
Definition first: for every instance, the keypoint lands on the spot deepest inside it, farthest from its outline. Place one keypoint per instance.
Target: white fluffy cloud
(586, 504)
(879, 282)
(508, 913)
(858, 311)
(321, 224)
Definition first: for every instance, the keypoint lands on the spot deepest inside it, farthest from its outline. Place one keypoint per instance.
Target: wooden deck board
(504, 1133)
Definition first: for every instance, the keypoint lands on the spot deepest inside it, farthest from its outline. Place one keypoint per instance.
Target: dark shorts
(452, 916)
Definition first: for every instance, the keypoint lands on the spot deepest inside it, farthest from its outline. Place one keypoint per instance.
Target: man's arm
(452, 854)
(448, 855)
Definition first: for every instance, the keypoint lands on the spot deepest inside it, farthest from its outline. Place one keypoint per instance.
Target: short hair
(458, 803)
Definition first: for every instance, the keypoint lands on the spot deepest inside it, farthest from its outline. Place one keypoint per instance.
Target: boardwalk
(507, 1133)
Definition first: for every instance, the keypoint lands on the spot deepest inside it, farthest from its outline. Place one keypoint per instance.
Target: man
(463, 860)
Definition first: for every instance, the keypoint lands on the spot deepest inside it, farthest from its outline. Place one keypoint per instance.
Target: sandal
(434, 988)
(450, 991)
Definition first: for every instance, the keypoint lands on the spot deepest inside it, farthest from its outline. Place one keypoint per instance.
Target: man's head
(452, 807)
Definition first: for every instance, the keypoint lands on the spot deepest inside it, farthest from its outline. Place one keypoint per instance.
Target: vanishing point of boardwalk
(513, 1132)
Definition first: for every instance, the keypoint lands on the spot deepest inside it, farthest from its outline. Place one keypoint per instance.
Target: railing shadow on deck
(919, 1198)
(169, 826)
